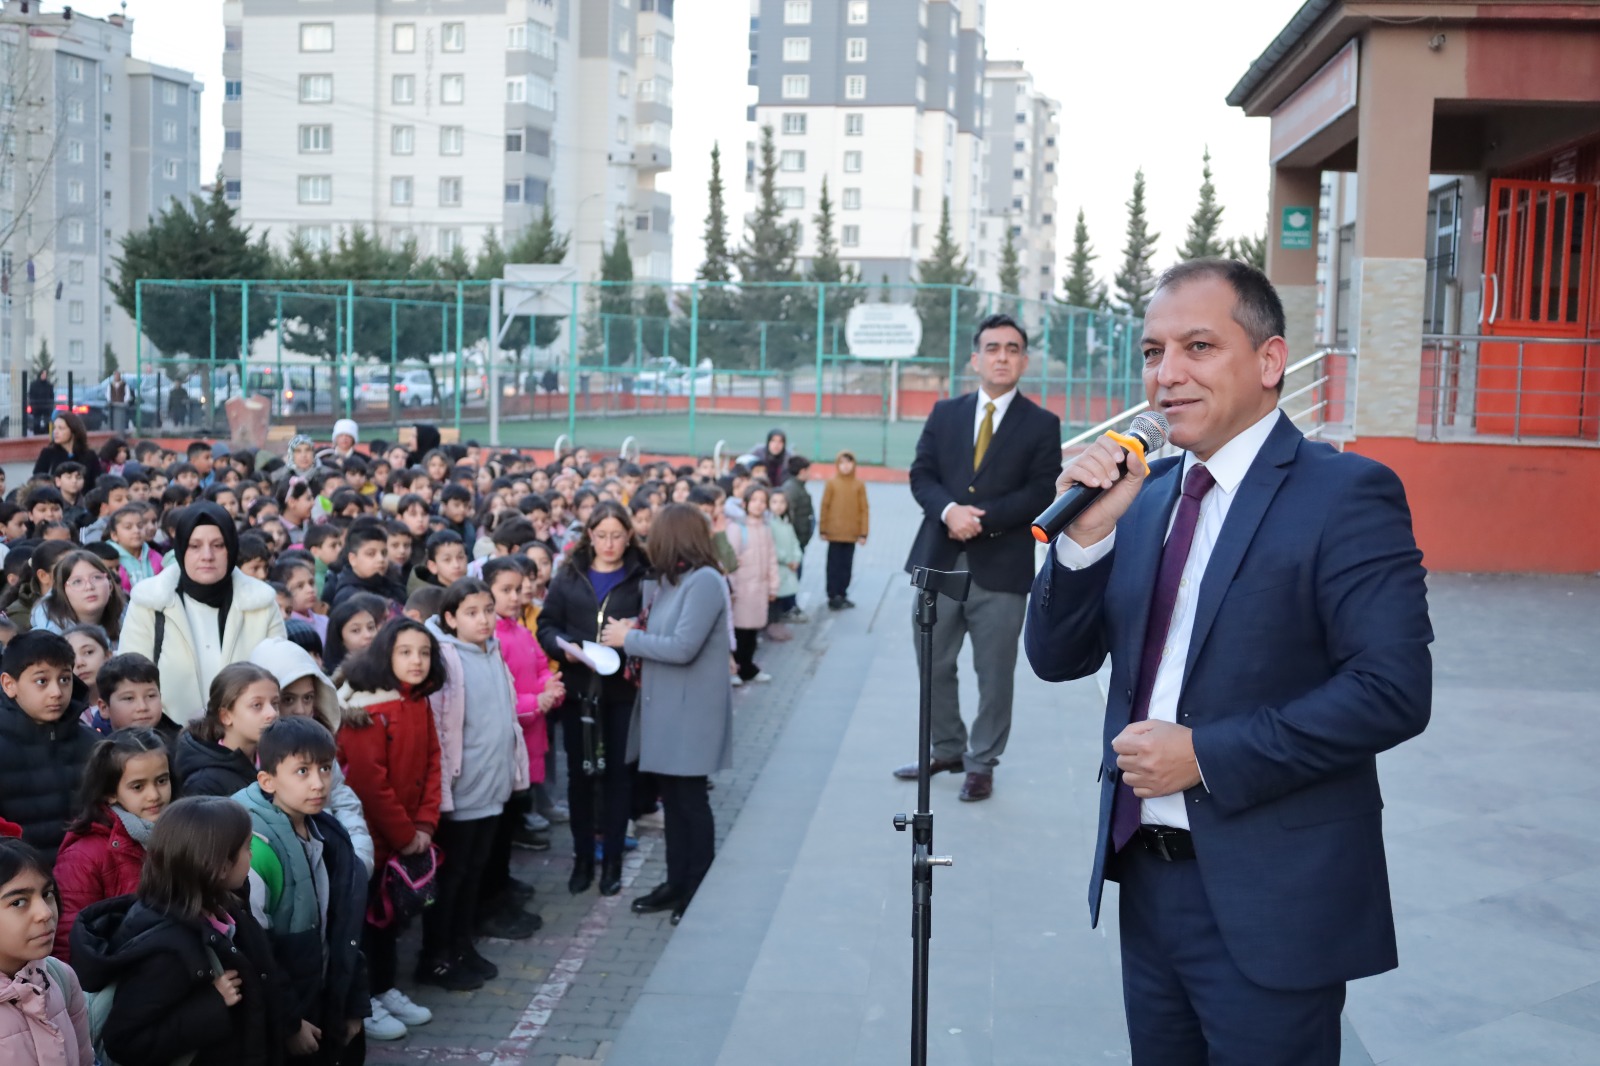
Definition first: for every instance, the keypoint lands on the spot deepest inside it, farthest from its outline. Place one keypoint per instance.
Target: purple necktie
(1125, 805)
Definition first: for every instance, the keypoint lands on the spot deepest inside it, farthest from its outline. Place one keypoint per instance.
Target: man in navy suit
(985, 466)
(1262, 600)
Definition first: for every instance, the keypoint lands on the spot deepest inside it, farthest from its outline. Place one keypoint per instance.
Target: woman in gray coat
(685, 696)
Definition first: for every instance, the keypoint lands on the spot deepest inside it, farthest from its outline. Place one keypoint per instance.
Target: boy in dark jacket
(43, 746)
(307, 889)
(366, 567)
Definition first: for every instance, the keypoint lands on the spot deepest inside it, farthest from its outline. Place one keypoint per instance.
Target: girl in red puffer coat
(126, 785)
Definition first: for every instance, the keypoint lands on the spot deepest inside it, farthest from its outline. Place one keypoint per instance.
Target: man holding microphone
(1262, 601)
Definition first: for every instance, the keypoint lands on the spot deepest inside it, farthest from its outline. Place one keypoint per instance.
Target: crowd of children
(224, 857)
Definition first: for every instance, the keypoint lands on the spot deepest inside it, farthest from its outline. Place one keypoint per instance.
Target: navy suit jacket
(1016, 482)
(1309, 656)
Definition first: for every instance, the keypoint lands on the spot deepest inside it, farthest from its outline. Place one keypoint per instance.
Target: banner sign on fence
(883, 331)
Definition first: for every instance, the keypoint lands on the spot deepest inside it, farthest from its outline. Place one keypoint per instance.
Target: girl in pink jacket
(539, 689)
(43, 1017)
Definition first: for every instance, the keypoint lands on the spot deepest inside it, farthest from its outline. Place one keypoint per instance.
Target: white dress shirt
(1001, 404)
(1228, 467)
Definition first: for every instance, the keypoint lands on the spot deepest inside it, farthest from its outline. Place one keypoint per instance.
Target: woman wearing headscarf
(200, 615)
(427, 440)
(774, 456)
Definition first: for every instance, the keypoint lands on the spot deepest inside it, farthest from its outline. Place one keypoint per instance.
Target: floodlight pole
(492, 376)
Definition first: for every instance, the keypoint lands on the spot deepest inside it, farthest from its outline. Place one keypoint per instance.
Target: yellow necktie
(985, 431)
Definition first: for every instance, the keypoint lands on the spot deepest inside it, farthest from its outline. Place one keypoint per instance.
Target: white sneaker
(399, 1005)
(737, 681)
(763, 677)
(381, 1025)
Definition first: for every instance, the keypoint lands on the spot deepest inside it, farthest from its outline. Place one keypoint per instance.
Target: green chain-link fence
(678, 367)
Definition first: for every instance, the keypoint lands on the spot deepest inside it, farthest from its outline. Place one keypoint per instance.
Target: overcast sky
(1139, 84)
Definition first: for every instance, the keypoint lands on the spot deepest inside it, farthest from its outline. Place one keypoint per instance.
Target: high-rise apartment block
(883, 98)
(95, 144)
(1019, 186)
(441, 121)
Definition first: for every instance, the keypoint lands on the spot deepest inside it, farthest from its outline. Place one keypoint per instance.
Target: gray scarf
(138, 828)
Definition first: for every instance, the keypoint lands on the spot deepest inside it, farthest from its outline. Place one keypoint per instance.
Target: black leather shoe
(977, 787)
(678, 911)
(908, 772)
(582, 874)
(662, 897)
(611, 876)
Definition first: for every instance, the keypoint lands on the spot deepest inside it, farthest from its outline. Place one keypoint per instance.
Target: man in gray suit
(985, 467)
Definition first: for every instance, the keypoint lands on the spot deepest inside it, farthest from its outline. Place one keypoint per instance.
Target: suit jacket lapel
(961, 441)
(1256, 491)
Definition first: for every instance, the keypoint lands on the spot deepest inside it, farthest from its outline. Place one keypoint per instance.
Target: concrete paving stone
(1517, 1038)
(1579, 1008)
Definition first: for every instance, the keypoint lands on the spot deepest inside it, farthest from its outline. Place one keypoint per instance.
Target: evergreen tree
(945, 267)
(718, 302)
(1136, 279)
(843, 282)
(718, 264)
(766, 261)
(197, 240)
(616, 299)
(108, 361)
(43, 362)
(1081, 288)
(1081, 294)
(1203, 241)
(1010, 265)
(390, 322)
(1247, 249)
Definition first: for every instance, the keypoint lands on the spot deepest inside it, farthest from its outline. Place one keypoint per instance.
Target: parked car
(411, 388)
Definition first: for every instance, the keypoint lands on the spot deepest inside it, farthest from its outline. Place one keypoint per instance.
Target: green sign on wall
(1296, 230)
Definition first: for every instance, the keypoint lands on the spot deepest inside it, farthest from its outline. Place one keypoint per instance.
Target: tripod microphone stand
(930, 585)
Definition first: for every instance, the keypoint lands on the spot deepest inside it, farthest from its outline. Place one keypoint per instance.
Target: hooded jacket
(383, 583)
(251, 617)
(320, 960)
(530, 673)
(166, 1004)
(204, 768)
(756, 581)
(477, 676)
(389, 749)
(289, 663)
(41, 765)
(136, 568)
(44, 1021)
(96, 864)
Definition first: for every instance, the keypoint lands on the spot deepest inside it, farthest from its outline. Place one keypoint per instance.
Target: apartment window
(75, 349)
(232, 40)
(857, 13)
(316, 139)
(854, 123)
(405, 37)
(1016, 203)
(107, 160)
(230, 190)
(316, 36)
(855, 87)
(517, 37)
(74, 191)
(169, 93)
(850, 236)
(1022, 118)
(796, 86)
(922, 53)
(855, 49)
(106, 121)
(922, 88)
(75, 271)
(449, 241)
(316, 88)
(453, 37)
(541, 40)
(513, 140)
(449, 192)
(922, 20)
(622, 131)
(316, 189)
(625, 42)
(452, 88)
(794, 122)
(401, 191)
(75, 109)
(74, 70)
(647, 45)
(796, 49)
(231, 90)
(74, 231)
(316, 238)
(402, 140)
(1017, 174)
(641, 223)
(852, 200)
(624, 84)
(75, 311)
(797, 12)
(1020, 146)
(542, 94)
(403, 89)
(169, 169)
(1048, 220)
(852, 162)
(451, 140)
(791, 196)
(513, 194)
(792, 161)
(516, 90)
(535, 190)
(74, 151)
(169, 130)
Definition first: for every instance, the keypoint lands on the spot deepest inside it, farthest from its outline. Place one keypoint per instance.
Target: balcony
(652, 157)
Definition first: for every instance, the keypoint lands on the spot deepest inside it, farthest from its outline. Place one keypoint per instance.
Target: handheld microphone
(1147, 434)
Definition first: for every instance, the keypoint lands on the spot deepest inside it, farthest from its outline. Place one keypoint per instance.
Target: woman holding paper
(601, 579)
(686, 695)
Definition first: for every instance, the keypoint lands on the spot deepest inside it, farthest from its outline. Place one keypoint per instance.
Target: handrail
(563, 444)
(1315, 357)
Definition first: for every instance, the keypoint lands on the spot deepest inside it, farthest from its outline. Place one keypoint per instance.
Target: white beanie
(347, 425)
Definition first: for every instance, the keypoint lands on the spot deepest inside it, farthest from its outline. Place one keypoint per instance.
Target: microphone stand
(930, 585)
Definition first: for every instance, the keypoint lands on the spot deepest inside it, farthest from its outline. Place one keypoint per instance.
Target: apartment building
(1019, 184)
(439, 122)
(883, 98)
(96, 144)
